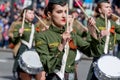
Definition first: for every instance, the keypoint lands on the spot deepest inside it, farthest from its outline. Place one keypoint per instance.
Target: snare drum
(107, 68)
(30, 62)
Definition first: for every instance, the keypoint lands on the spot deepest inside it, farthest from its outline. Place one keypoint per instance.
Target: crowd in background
(10, 13)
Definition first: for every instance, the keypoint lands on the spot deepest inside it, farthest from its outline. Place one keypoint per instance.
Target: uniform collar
(30, 23)
(56, 29)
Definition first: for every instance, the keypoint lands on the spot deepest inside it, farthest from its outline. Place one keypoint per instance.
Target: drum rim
(27, 53)
(23, 66)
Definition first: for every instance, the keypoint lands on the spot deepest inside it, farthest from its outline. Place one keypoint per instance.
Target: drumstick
(65, 56)
(106, 24)
(86, 14)
(68, 29)
(116, 16)
(23, 21)
(41, 21)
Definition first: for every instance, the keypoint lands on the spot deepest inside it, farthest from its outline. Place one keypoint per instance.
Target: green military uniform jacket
(47, 46)
(26, 34)
(114, 37)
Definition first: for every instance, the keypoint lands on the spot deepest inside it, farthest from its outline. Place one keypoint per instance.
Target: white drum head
(32, 59)
(110, 65)
(78, 55)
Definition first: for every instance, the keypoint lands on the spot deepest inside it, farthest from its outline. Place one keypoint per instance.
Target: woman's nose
(64, 15)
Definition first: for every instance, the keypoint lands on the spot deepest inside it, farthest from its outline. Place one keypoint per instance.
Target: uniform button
(57, 55)
(110, 48)
(69, 66)
(110, 43)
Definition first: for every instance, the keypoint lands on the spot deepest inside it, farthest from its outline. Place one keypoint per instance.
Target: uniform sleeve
(48, 58)
(97, 47)
(83, 45)
(14, 33)
(41, 48)
(89, 48)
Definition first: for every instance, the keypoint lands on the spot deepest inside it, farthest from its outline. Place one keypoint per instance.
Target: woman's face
(58, 15)
(29, 15)
(105, 9)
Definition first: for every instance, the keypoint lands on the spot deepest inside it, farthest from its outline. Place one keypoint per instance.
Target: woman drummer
(103, 21)
(21, 33)
(50, 43)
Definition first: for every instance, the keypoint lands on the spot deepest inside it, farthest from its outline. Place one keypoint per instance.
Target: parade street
(6, 65)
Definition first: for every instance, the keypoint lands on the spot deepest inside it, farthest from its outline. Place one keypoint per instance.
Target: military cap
(58, 1)
(103, 1)
(30, 7)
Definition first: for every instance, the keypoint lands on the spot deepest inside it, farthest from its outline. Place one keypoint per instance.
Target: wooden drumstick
(115, 17)
(86, 14)
(41, 21)
(67, 29)
(23, 21)
(65, 56)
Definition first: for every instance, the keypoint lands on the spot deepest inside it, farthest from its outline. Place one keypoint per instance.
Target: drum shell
(100, 74)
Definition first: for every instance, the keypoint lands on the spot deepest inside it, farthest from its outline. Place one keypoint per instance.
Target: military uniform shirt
(114, 36)
(47, 43)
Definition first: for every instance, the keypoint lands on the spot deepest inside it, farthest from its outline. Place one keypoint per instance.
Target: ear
(99, 10)
(49, 15)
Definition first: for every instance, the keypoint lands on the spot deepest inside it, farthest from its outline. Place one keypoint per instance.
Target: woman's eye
(59, 11)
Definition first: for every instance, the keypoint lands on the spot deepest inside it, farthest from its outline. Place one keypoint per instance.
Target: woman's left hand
(104, 33)
(91, 27)
(91, 22)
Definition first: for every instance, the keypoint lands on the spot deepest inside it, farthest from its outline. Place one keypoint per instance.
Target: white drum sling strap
(107, 38)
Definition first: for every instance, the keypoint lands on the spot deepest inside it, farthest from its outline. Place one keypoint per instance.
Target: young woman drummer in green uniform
(50, 44)
(104, 13)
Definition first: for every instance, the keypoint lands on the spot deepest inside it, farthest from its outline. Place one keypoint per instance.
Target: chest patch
(55, 44)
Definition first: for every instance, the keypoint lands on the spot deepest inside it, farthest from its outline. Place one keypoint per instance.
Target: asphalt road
(6, 65)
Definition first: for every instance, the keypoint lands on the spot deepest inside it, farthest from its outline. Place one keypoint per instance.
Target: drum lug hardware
(94, 64)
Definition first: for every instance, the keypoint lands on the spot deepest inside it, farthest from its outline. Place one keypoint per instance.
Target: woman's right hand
(66, 37)
(21, 30)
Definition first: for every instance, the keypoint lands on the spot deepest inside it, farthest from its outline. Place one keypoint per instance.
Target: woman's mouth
(63, 20)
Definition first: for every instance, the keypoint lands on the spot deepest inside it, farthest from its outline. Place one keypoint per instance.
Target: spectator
(5, 33)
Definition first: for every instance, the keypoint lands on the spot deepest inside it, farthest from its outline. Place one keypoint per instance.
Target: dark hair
(22, 12)
(97, 10)
(50, 7)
